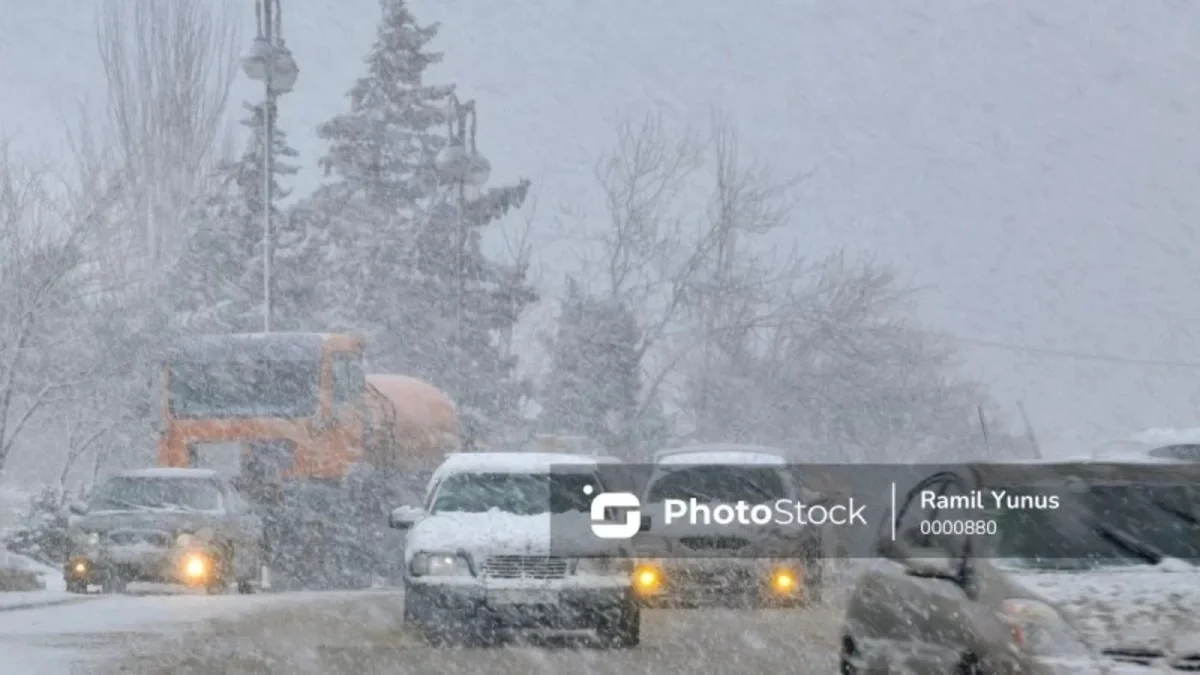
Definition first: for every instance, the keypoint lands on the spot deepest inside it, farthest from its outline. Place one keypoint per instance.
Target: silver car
(174, 526)
(682, 566)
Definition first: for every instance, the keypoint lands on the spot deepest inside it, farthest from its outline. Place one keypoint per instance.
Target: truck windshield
(143, 494)
(521, 494)
(244, 389)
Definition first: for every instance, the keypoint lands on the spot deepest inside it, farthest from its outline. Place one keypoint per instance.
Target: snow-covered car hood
(497, 533)
(1131, 609)
(158, 519)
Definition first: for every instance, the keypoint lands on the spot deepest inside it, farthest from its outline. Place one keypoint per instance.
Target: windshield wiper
(1188, 517)
(1130, 544)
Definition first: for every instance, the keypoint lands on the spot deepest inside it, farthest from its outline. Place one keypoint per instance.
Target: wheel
(623, 632)
(76, 587)
(245, 587)
(846, 664)
(969, 666)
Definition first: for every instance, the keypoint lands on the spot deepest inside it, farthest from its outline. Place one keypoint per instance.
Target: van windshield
(520, 494)
(720, 484)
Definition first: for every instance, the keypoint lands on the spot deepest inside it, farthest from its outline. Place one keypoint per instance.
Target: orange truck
(275, 411)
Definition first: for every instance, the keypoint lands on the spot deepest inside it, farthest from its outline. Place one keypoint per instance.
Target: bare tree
(44, 274)
(169, 66)
(677, 268)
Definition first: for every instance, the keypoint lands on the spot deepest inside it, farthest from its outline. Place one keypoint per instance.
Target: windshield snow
(245, 389)
(136, 494)
(520, 494)
(718, 484)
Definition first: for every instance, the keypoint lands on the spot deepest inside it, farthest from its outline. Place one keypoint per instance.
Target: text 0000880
(958, 526)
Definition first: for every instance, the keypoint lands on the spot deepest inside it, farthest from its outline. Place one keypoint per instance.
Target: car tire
(76, 587)
(245, 587)
(848, 652)
(623, 632)
(969, 665)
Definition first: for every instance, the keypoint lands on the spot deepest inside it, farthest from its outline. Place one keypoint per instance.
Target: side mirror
(645, 525)
(405, 517)
(77, 508)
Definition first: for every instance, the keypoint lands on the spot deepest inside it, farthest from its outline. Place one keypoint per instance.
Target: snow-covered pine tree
(391, 227)
(381, 154)
(594, 380)
(217, 282)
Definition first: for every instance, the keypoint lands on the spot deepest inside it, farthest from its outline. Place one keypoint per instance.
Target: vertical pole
(268, 133)
(459, 283)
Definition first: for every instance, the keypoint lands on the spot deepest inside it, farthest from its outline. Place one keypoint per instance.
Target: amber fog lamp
(647, 579)
(195, 567)
(785, 582)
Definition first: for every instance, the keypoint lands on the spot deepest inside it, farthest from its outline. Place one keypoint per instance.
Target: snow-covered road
(49, 632)
(361, 633)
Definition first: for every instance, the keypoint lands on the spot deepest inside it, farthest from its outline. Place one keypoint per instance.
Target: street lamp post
(269, 61)
(463, 167)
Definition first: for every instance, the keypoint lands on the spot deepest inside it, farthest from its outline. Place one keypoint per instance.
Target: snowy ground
(361, 633)
(89, 632)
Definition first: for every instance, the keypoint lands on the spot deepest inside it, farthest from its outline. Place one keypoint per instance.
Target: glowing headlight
(195, 567)
(439, 565)
(785, 581)
(647, 579)
(604, 566)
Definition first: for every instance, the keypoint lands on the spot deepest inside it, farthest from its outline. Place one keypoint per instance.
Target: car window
(914, 524)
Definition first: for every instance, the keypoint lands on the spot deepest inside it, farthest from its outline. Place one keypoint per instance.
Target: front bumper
(562, 608)
(118, 565)
(696, 582)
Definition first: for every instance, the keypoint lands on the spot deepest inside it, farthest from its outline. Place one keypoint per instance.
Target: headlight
(1036, 626)
(648, 578)
(603, 566)
(439, 565)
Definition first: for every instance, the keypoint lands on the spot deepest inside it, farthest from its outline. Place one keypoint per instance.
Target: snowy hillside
(1031, 164)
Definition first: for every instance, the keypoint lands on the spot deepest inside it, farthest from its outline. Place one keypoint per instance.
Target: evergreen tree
(594, 381)
(217, 285)
(398, 245)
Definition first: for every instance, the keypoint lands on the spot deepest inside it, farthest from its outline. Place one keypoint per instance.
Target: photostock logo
(604, 501)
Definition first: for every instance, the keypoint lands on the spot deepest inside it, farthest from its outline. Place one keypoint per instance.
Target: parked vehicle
(959, 603)
(180, 526)
(295, 421)
(491, 551)
(686, 566)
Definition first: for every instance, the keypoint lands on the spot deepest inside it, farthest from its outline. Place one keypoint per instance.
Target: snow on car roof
(163, 472)
(511, 462)
(721, 454)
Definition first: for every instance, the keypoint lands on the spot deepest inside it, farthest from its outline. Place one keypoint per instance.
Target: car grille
(718, 578)
(135, 537)
(524, 567)
(714, 543)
